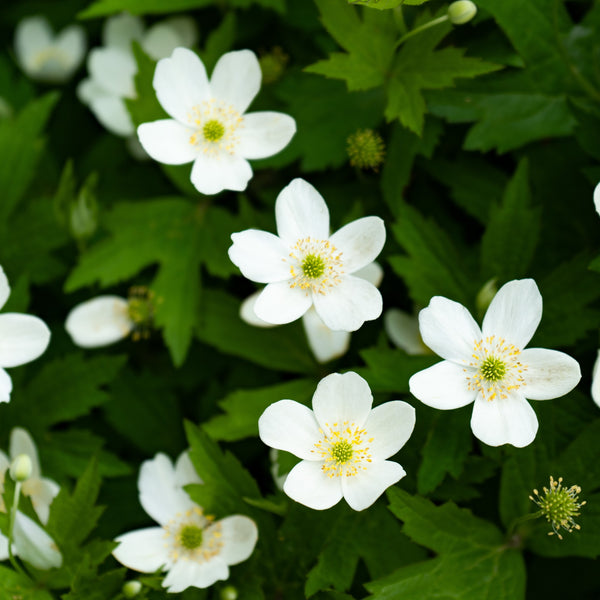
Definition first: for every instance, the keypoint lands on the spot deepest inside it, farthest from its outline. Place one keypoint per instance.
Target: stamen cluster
(193, 536)
(215, 123)
(315, 265)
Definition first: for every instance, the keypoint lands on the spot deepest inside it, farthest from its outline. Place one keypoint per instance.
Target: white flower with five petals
(44, 56)
(22, 339)
(195, 549)
(343, 442)
(304, 265)
(209, 124)
(490, 366)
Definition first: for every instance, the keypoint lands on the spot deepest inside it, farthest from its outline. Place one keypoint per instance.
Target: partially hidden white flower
(31, 542)
(403, 329)
(99, 322)
(195, 549)
(325, 343)
(45, 56)
(112, 67)
(597, 198)
(22, 339)
(304, 265)
(209, 124)
(343, 442)
(596, 380)
(490, 366)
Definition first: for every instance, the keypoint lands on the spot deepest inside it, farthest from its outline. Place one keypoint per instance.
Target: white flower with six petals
(490, 366)
(343, 444)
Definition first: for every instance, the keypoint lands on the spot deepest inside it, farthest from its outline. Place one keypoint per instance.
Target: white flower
(194, 548)
(403, 329)
(44, 56)
(112, 67)
(344, 443)
(31, 542)
(305, 265)
(596, 380)
(597, 198)
(326, 344)
(209, 125)
(22, 339)
(489, 366)
(99, 322)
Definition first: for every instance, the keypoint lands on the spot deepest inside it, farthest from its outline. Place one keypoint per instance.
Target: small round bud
(229, 593)
(485, 296)
(366, 149)
(131, 588)
(83, 215)
(21, 467)
(461, 12)
(272, 64)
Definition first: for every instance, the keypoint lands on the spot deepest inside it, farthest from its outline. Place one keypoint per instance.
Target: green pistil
(191, 537)
(313, 266)
(493, 369)
(342, 452)
(213, 130)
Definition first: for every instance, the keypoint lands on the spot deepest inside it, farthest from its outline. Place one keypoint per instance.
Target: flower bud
(366, 149)
(272, 64)
(83, 213)
(461, 12)
(131, 588)
(21, 468)
(485, 296)
(229, 593)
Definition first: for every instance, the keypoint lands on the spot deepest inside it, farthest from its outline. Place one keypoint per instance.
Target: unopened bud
(132, 588)
(21, 467)
(229, 593)
(485, 296)
(461, 12)
(272, 64)
(83, 211)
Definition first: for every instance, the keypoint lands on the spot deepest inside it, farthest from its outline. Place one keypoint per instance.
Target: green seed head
(213, 130)
(493, 369)
(461, 12)
(342, 451)
(191, 537)
(366, 149)
(313, 266)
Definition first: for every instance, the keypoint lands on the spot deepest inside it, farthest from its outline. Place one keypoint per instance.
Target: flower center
(191, 537)
(495, 369)
(315, 265)
(215, 124)
(343, 449)
(140, 310)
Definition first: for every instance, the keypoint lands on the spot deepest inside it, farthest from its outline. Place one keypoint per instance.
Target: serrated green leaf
(16, 586)
(219, 41)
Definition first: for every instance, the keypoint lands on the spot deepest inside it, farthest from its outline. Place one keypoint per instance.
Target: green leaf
(244, 407)
(472, 563)
(15, 586)
(219, 41)
(513, 231)
(370, 45)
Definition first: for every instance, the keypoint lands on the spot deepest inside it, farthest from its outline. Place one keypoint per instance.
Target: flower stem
(516, 522)
(11, 529)
(421, 28)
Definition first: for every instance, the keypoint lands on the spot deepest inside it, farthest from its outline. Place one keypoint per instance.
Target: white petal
(373, 273)
(142, 550)
(4, 288)
(185, 472)
(301, 212)
(3, 547)
(247, 313)
(113, 115)
(167, 141)
(159, 41)
(5, 386)
(260, 256)
(448, 328)
(160, 493)
(363, 489)
(515, 312)
(278, 303)
(403, 330)
(264, 134)
(98, 322)
(325, 343)
(188, 573)
(34, 545)
(22, 339)
(4, 464)
(71, 41)
(236, 79)
(597, 198)
(21, 442)
(509, 420)
(185, 29)
(213, 174)
(596, 380)
(443, 386)
(32, 36)
(42, 492)
(360, 242)
(349, 304)
(309, 485)
(390, 425)
(239, 535)
(342, 397)
(181, 83)
(290, 426)
(113, 69)
(549, 374)
(119, 31)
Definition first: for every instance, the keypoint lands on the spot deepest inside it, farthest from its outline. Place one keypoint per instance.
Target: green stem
(421, 28)
(399, 20)
(11, 528)
(523, 519)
